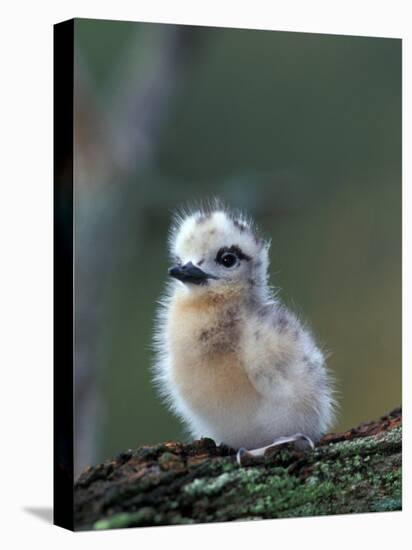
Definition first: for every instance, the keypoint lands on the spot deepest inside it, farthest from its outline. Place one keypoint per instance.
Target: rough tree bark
(173, 483)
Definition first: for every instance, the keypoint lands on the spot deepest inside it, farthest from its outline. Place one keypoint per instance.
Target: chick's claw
(300, 441)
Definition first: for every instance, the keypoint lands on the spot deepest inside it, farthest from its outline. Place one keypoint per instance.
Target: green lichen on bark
(172, 483)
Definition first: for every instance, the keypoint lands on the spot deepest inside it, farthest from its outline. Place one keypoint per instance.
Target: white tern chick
(232, 361)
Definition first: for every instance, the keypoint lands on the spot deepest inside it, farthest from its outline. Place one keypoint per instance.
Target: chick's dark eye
(228, 259)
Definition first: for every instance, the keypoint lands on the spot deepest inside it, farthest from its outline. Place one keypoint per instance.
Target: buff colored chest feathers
(205, 335)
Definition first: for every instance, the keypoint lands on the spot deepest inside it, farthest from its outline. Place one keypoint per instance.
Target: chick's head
(217, 250)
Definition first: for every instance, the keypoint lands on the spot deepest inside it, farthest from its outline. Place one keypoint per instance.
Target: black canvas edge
(63, 297)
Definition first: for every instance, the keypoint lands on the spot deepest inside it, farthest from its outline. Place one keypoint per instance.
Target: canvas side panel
(63, 274)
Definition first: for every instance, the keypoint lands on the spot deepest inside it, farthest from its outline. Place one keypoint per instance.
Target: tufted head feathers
(215, 248)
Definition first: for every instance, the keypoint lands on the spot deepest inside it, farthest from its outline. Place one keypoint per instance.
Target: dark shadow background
(301, 130)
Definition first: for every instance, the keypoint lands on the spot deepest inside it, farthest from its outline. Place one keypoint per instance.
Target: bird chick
(232, 361)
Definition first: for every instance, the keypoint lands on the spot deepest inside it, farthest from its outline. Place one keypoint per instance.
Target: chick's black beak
(189, 273)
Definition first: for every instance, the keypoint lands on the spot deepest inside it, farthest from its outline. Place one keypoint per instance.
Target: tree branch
(172, 483)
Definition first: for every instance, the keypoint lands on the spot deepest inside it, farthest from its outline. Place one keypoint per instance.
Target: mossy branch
(172, 483)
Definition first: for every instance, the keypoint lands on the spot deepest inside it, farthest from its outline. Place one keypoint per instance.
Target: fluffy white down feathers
(231, 360)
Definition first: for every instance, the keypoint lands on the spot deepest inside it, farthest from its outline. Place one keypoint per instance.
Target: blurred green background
(301, 130)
